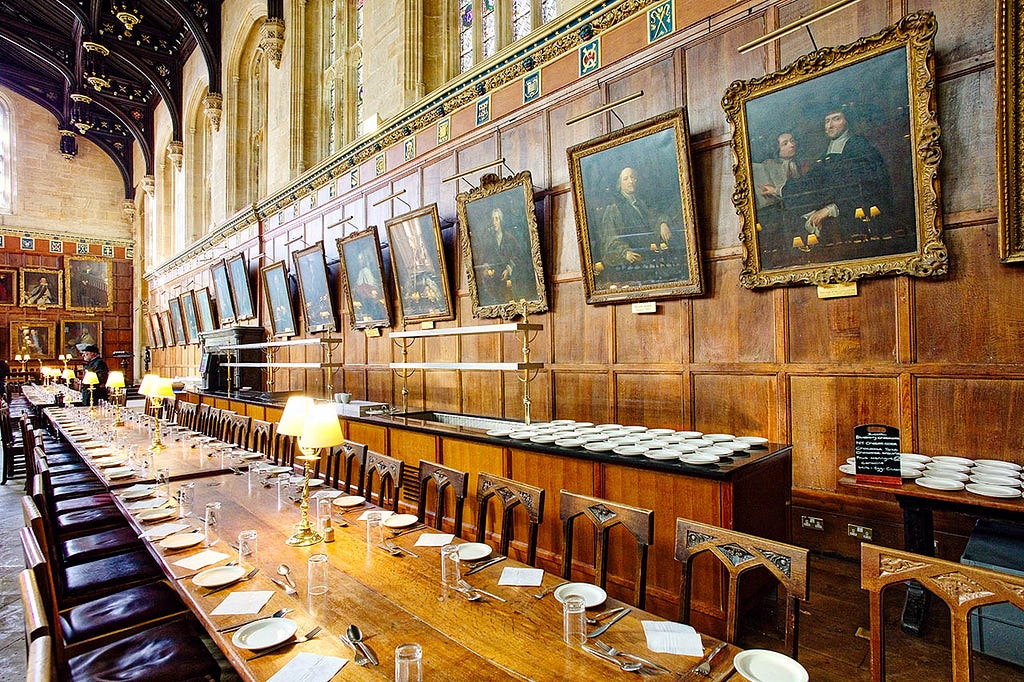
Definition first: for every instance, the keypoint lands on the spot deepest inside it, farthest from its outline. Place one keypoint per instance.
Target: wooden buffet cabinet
(751, 495)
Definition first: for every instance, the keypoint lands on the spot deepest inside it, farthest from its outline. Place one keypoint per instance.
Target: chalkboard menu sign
(876, 448)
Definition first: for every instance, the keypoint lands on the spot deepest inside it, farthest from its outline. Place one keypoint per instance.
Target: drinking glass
(574, 620)
(450, 573)
(283, 481)
(374, 529)
(163, 482)
(323, 513)
(317, 574)
(145, 463)
(409, 663)
(247, 547)
(210, 523)
(186, 498)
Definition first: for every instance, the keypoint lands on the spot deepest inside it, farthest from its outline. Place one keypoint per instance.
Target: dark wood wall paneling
(938, 358)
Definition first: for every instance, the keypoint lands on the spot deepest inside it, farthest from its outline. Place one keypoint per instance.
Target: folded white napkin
(151, 503)
(242, 603)
(383, 514)
(201, 560)
(163, 530)
(531, 577)
(667, 637)
(434, 540)
(138, 488)
(307, 667)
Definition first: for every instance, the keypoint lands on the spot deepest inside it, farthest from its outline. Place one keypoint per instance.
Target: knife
(359, 658)
(368, 652)
(484, 565)
(604, 628)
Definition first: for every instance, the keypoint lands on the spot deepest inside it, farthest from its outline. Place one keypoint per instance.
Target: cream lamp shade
(322, 428)
(147, 383)
(17, 358)
(68, 374)
(115, 380)
(162, 388)
(26, 357)
(294, 416)
(90, 378)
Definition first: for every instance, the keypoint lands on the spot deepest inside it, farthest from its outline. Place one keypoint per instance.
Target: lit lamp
(90, 379)
(115, 383)
(160, 390)
(317, 427)
(68, 374)
(17, 358)
(64, 359)
(24, 360)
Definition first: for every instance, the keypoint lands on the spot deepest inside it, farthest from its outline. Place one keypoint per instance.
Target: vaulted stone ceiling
(102, 67)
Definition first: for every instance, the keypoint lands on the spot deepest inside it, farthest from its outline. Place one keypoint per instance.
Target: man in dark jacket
(93, 362)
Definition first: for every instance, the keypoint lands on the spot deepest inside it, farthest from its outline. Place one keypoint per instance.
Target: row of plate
(986, 477)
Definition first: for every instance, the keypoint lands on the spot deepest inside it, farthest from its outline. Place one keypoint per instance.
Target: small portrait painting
(279, 300)
(178, 322)
(315, 289)
(222, 287)
(836, 162)
(241, 290)
(362, 271)
(168, 330)
(41, 288)
(635, 212)
(75, 332)
(35, 339)
(204, 308)
(188, 311)
(417, 260)
(90, 284)
(156, 336)
(501, 247)
(8, 286)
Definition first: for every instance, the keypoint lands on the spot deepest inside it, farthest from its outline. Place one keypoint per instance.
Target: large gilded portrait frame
(362, 272)
(417, 258)
(315, 289)
(1010, 128)
(41, 288)
(635, 212)
(860, 197)
(90, 284)
(35, 338)
(506, 275)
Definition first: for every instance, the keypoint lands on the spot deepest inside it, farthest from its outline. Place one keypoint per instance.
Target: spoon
(356, 635)
(283, 570)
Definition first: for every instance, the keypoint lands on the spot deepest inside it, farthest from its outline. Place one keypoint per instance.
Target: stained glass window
(466, 36)
(521, 18)
(489, 29)
(548, 10)
(6, 166)
(483, 28)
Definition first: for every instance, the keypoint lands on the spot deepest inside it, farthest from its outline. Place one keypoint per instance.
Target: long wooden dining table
(393, 599)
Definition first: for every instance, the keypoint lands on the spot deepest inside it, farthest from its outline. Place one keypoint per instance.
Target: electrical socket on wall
(812, 523)
(859, 532)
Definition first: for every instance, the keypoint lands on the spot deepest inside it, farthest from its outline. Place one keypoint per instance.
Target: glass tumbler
(316, 567)
(163, 482)
(374, 529)
(409, 663)
(247, 547)
(574, 620)
(450, 570)
(186, 498)
(323, 513)
(210, 523)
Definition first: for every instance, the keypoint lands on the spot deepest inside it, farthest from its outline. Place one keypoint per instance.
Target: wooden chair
(510, 494)
(203, 418)
(235, 429)
(261, 436)
(37, 624)
(389, 472)
(961, 586)
(443, 478)
(605, 515)
(348, 460)
(740, 553)
(41, 664)
(185, 414)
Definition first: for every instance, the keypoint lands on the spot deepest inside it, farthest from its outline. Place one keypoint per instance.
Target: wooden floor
(829, 646)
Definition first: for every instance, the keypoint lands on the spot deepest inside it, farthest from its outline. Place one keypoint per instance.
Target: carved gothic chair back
(444, 478)
(236, 428)
(389, 472)
(261, 436)
(346, 467)
(605, 515)
(740, 553)
(203, 418)
(509, 494)
(185, 413)
(961, 586)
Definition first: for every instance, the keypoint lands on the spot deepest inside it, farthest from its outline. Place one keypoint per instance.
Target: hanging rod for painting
(798, 24)
(605, 107)
(396, 195)
(496, 162)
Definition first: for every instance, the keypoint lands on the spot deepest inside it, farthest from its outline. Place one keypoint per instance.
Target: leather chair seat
(98, 518)
(85, 502)
(95, 578)
(73, 479)
(121, 610)
(73, 490)
(98, 545)
(166, 652)
(66, 467)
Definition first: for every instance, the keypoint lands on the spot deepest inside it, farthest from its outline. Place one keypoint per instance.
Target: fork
(615, 652)
(704, 669)
(248, 576)
(298, 640)
(548, 590)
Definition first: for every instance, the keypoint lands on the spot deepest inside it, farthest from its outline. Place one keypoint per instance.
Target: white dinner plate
(946, 459)
(348, 501)
(985, 470)
(150, 515)
(848, 469)
(568, 442)
(988, 479)
(119, 472)
(499, 433)
(690, 434)
(599, 446)
(699, 458)
(906, 472)
(592, 594)
(914, 457)
(682, 448)
(947, 474)
(993, 490)
(660, 432)
(719, 437)
(251, 455)
(316, 482)
(182, 540)
(473, 551)
(734, 445)
(522, 435)
(544, 438)
(264, 633)
(218, 576)
(636, 428)
(629, 450)
(608, 427)
(583, 424)
(700, 442)
(762, 665)
(753, 440)
(997, 463)
(615, 433)
(910, 464)
(275, 470)
(562, 422)
(138, 493)
(662, 454)
(716, 450)
(401, 520)
(947, 466)
(939, 483)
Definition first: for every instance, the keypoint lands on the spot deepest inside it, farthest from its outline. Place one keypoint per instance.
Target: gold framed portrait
(41, 288)
(1009, 132)
(90, 284)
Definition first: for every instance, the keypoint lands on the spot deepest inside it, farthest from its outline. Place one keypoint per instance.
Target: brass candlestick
(304, 533)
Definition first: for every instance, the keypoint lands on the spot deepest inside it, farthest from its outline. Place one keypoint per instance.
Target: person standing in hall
(93, 361)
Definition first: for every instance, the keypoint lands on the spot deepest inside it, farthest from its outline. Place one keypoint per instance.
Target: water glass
(374, 529)
(145, 463)
(317, 574)
(163, 482)
(210, 523)
(186, 498)
(283, 482)
(247, 547)
(323, 513)
(450, 570)
(574, 620)
(409, 663)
